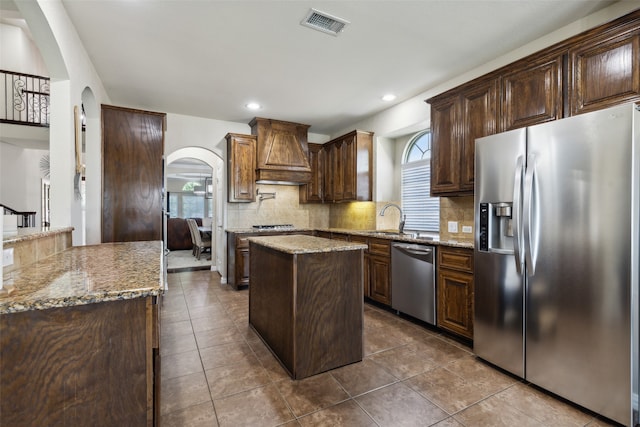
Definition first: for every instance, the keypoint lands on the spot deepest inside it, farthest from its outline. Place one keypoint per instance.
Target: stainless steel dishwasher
(413, 280)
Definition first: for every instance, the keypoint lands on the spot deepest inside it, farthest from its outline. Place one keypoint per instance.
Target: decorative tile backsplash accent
(353, 215)
(459, 209)
(364, 216)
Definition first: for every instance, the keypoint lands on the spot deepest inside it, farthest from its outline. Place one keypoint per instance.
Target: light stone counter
(30, 245)
(301, 244)
(32, 233)
(85, 275)
(424, 238)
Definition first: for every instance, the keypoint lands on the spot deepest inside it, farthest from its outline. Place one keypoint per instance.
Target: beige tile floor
(217, 372)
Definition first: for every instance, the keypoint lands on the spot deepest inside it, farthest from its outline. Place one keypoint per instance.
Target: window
(422, 211)
(189, 205)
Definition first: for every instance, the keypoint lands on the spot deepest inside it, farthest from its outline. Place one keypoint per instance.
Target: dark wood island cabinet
(306, 301)
(79, 338)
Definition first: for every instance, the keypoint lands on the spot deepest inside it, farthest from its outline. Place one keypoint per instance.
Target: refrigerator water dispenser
(496, 227)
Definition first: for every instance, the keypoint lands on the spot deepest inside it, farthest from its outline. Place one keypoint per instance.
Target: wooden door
(533, 94)
(241, 150)
(455, 302)
(380, 279)
(242, 266)
(605, 72)
(312, 192)
(445, 149)
(479, 116)
(132, 174)
(331, 177)
(338, 171)
(349, 168)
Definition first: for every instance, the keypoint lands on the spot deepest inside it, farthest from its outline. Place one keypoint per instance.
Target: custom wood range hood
(282, 153)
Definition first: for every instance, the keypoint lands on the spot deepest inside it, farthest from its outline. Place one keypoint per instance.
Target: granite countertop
(266, 230)
(85, 275)
(300, 244)
(423, 237)
(32, 233)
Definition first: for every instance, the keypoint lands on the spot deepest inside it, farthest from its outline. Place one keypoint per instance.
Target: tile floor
(217, 372)
(184, 260)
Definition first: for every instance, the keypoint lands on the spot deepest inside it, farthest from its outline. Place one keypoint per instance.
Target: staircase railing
(25, 99)
(25, 219)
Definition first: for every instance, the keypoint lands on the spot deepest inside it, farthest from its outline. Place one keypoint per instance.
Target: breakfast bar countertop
(86, 275)
(22, 234)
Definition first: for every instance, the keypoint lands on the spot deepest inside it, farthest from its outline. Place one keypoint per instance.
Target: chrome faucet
(403, 218)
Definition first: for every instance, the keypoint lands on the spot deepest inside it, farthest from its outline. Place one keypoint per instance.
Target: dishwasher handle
(424, 253)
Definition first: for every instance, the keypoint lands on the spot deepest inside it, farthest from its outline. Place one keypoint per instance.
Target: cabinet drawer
(340, 236)
(456, 259)
(360, 239)
(380, 247)
(242, 242)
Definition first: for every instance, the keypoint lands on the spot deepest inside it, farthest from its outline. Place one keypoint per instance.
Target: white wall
(71, 72)
(19, 172)
(21, 183)
(20, 54)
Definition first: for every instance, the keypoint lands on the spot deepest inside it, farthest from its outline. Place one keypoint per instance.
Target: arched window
(421, 210)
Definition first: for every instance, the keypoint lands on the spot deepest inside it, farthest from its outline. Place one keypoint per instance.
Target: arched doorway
(215, 169)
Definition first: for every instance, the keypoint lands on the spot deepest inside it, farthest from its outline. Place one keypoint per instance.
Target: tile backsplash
(285, 208)
(459, 209)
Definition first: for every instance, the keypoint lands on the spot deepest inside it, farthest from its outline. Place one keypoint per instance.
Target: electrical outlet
(7, 256)
(452, 226)
(467, 229)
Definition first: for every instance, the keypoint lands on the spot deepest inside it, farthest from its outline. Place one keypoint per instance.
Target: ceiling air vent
(324, 22)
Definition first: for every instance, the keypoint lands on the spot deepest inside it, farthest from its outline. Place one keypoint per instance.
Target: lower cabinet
(380, 270)
(365, 264)
(376, 267)
(238, 255)
(455, 290)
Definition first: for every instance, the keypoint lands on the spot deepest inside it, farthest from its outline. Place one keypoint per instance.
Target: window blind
(422, 211)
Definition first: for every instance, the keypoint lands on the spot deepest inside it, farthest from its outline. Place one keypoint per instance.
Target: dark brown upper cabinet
(596, 69)
(241, 180)
(532, 94)
(348, 165)
(312, 192)
(456, 121)
(605, 70)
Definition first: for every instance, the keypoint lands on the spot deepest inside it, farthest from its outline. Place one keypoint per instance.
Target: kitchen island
(306, 301)
(79, 338)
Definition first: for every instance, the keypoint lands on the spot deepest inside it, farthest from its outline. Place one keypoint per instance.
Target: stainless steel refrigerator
(557, 214)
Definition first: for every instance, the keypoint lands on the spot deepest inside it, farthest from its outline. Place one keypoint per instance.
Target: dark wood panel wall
(76, 366)
(132, 175)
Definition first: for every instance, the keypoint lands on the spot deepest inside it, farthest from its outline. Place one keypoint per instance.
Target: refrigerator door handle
(529, 216)
(517, 214)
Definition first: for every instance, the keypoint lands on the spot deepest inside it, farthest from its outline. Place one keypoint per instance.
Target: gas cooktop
(273, 227)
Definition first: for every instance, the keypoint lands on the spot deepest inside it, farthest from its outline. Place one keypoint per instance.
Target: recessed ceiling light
(253, 106)
(388, 97)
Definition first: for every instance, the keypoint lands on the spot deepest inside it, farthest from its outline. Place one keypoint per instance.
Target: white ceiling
(210, 58)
